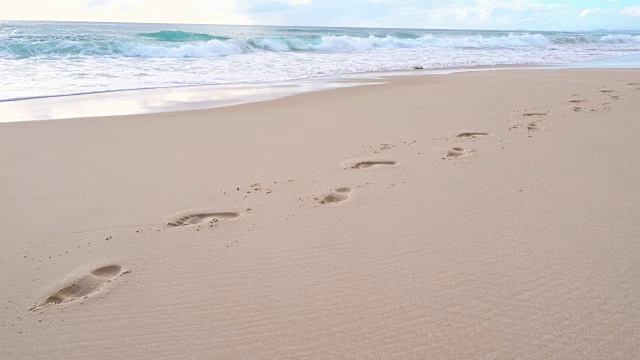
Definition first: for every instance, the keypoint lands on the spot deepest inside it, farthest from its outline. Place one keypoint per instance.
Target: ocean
(50, 59)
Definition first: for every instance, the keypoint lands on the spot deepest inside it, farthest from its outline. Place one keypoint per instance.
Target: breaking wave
(180, 44)
(180, 36)
(621, 39)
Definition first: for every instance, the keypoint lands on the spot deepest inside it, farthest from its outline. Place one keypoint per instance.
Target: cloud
(633, 11)
(589, 12)
(94, 3)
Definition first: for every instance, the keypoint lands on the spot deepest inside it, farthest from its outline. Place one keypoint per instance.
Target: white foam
(211, 48)
(216, 48)
(620, 39)
(328, 43)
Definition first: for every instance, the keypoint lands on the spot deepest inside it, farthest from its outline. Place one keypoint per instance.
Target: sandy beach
(477, 215)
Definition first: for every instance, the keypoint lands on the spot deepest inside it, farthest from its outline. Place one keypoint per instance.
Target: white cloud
(633, 11)
(589, 12)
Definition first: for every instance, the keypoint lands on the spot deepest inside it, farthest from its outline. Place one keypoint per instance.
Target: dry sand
(488, 215)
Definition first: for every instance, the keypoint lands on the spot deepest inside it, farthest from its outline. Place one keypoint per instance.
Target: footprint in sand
(336, 196)
(82, 287)
(533, 126)
(199, 218)
(456, 152)
(367, 164)
(535, 114)
(472, 135)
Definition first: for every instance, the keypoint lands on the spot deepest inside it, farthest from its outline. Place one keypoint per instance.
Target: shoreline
(199, 97)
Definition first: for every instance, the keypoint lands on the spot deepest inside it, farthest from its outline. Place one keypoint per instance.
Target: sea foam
(185, 44)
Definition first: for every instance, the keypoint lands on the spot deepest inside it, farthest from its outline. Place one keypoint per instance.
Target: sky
(453, 14)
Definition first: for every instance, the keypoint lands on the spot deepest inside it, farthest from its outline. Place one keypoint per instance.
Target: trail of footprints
(604, 101)
(89, 284)
(332, 197)
(534, 124)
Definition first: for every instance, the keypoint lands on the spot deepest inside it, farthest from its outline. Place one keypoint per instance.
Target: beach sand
(479, 215)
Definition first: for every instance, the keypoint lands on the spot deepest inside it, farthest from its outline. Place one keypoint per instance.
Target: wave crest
(621, 39)
(330, 43)
(180, 36)
(347, 43)
(211, 48)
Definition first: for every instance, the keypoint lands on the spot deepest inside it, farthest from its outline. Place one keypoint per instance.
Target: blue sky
(459, 14)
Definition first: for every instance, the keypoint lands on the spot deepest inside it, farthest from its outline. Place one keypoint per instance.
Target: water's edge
(198, 97)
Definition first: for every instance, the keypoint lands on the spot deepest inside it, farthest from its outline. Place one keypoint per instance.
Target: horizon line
(316, 26)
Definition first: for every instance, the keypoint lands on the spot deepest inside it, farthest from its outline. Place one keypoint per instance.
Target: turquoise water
(181, 36)
(60, 58)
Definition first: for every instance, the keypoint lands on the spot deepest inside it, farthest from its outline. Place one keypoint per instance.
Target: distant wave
(179, 44)
(621, 39)
(215, 48)
(180, 36)
(309, 30)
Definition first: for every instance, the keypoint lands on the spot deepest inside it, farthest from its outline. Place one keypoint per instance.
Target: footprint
(336, 196)
(82, 287)
(194, 219)
(533, 126)
(471, 134)
(456, 152)
(369, 164)
(534, 114)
